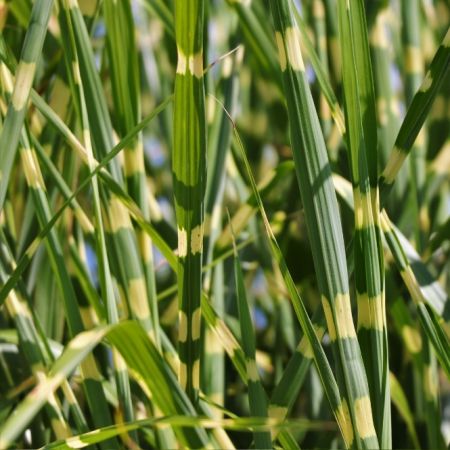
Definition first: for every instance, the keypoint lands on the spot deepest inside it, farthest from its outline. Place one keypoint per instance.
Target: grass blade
(257, 397)
(12, 126)
(189, 176)
(363, 154)
(324, 227)
(311, 343)
(401, 402)
(417, 113)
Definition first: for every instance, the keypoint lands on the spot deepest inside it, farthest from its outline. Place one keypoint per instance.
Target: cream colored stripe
(329, 318)
(118, 215)
(24, 82)
(305, 347)
(281, 50)
(394, 164)
(344, 320)
(193, 63)
(196, 324)
(371, 313)
(182, 327)
(345, 423)
(134, 160)
(31, 168)
(252, 370)
(137, 294)
(197, 239)
(196, 65)
(196, 374)
(412, 338)
(364, 421)
(413, 60)
(294, 54)
(182, 243)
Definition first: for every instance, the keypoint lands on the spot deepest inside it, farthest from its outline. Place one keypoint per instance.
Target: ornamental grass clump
(224, 224)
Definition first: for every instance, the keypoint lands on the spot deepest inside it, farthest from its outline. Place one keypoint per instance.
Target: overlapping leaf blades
(363, 156)
(324, 227)
(100, 64)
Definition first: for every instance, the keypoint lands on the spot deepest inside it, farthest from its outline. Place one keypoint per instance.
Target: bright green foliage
(224, 224)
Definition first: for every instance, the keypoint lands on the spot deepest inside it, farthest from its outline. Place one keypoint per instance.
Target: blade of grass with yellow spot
(428, 317)
(99, 170)
(124, 70)
(29, 341)
(77, 350)
(360, 116)
(107, 290)
(416, 114)
(218, 325)
(17, 108)
(189, 179)
(48, 164)
(233, 423)
(128, 270)
(125, 79)
(265, 51)
(311, 345)
(36, 345)
(431, 300)
(325, 229)
(35, 181)
(140, 354)
(405, 256)
(318, 62)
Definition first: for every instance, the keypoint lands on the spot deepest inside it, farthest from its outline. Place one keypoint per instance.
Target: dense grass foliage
(224, 224)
